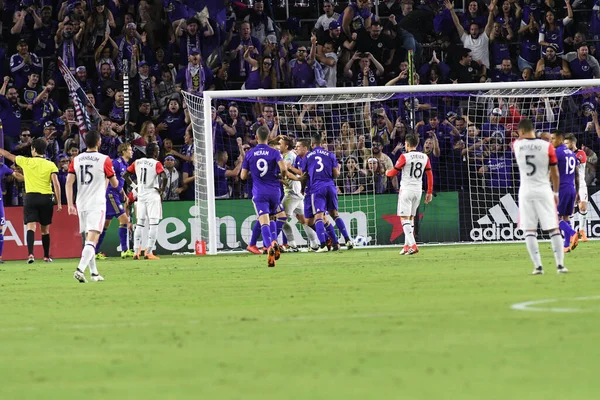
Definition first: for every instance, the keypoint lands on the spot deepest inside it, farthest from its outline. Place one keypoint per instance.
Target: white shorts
(149, 209)
(293, 205)
(92, 220)
(538, 209)
(408, 202)
(583, 193)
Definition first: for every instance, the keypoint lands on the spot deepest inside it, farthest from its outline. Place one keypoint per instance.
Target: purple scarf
(68, 55)
(195, 81)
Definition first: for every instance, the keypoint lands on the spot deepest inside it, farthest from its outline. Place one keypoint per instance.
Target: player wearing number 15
(413, 165)
(536, 201)
(90, 170)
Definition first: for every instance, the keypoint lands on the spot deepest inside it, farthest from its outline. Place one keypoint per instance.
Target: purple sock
(320, 229)
(100, 240)
(567, 232)
(284, 238)
(279, 223)
(274, 233)
(1, 243)
(255, 234)
(339, 222)
(331, 232)
(266, 234)
(123, 237)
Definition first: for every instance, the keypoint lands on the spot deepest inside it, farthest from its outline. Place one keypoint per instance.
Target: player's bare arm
(113, 181)
(244, 174)
(56, 187)
(163, 182)
(69, 189)
(555, 180)
(285, 172)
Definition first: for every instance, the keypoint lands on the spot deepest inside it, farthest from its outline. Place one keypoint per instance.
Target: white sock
(313, 240)
(152, 235)
(93, 269)
(583, 221)
(289, 234)
(412, 225)
(88, 252)
(557, 246)
(533, 249)
(137, 238)
(408, 233)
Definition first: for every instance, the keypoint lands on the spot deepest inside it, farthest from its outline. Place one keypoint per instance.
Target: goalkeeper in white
(412, 164)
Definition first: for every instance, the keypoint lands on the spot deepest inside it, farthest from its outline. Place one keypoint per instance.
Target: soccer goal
(466, 129)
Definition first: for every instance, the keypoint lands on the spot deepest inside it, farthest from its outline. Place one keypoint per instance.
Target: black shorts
(38, 207)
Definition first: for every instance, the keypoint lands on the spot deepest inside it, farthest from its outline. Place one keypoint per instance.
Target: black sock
(30, 239)
(46, 244)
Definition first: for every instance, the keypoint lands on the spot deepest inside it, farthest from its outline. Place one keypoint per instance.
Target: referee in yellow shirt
(40, 175)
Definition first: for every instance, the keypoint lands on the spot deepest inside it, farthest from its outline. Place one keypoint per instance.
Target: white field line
(531, 305)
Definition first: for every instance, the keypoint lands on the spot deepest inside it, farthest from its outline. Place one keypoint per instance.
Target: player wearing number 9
(263, 163)
(569, 185)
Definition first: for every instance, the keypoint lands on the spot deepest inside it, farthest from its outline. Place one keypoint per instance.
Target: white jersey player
(537, 203)
(151, 184)
(413, 164)
(90, 170)
(571, 143)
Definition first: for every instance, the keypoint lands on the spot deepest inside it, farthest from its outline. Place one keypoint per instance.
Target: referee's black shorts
(38, 207)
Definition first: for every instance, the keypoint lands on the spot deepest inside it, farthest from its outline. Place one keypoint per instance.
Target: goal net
(466, 130)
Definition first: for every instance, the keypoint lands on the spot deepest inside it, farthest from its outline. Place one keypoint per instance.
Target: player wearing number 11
(413, 164)
(90, 170)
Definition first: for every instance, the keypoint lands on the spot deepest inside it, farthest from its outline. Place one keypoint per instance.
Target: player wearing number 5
(413, 164)
(569, 185)
(90, 170)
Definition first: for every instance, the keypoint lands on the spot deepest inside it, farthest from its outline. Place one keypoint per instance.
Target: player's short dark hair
(39, 145)
(412, 140)
(525, 125)
(91, 138)
(123, 148)
(571, 138)
(220, 154)
(316, 138)
(262, 133)
(558, 133)
(151, 149)
(305, 143)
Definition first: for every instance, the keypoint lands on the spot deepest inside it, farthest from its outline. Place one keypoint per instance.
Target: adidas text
(497, 232)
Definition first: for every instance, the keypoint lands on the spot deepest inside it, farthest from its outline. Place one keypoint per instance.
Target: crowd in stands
(198, 45)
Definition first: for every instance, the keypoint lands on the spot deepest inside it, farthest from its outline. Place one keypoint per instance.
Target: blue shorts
(566, 202)
(267, 204)
(308, 207)
(114, 206)
(324, 199)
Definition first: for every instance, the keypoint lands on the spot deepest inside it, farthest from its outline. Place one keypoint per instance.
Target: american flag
(80, 100)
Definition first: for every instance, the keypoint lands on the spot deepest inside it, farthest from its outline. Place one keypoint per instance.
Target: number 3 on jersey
(320, 163)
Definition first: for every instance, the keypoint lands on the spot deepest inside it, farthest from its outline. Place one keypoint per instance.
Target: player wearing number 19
(262, 162)
(90, 170)
(412, 164)
(536, 202)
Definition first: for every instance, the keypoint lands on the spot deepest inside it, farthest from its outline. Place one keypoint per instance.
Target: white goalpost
(476, 204)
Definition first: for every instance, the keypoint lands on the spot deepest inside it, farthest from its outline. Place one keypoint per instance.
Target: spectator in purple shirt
(302, 74)
(174, 122)
(262, 74)
(238, 68)
(23, 63)
(505, 74)
(582, 64)
(364, 74)
(196, 77)
(191, 34)
(530, 47)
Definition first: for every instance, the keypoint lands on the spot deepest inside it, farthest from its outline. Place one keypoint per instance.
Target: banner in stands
(496, 216)
(438, 222)
(65, 240)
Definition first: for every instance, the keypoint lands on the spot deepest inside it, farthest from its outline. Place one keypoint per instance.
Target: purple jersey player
(114, 204)
(262, 162)
(5, 171)
(322, 167)
(569, 181)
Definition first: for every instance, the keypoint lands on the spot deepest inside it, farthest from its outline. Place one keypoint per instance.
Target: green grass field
(364, 324)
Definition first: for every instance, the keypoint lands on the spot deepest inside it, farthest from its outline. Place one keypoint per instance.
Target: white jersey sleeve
(147, 171)
(91, 170)
(413, 164)
(534, 158)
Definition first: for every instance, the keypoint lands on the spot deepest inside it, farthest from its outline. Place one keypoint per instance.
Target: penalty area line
(533, 305)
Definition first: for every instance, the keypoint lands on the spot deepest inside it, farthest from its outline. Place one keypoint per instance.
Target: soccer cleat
(136, 256)
(349, 244)
(151, 256)
(277, 249)
(30, 259)
(97, 278)
(404, 250)
(271, 257)
(322, 249)
(253, 249)
(1, 261)
(582, 236)
(574, 242)
(312, 249)
(412, 250)
(48, 259)
(335, 247)
(561, 270)
(264, 250)
(284, 248)
(79, 276)
(329, 243)
(538, 271)
(566, 249)
(101, 256)
(293, 249)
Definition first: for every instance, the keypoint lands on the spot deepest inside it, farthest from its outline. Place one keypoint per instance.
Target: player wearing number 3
(535, 157)
(90, 170)
(412, 164)
(151, 184)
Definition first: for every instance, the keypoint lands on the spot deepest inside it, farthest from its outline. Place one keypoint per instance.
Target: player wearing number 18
(90, 170)
(412, 164)
(535, 157)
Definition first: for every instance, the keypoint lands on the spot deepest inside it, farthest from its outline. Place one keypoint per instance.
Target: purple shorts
(566, 202)
(324, 199)
(267, 204)
(308, 207)
(114, 206)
